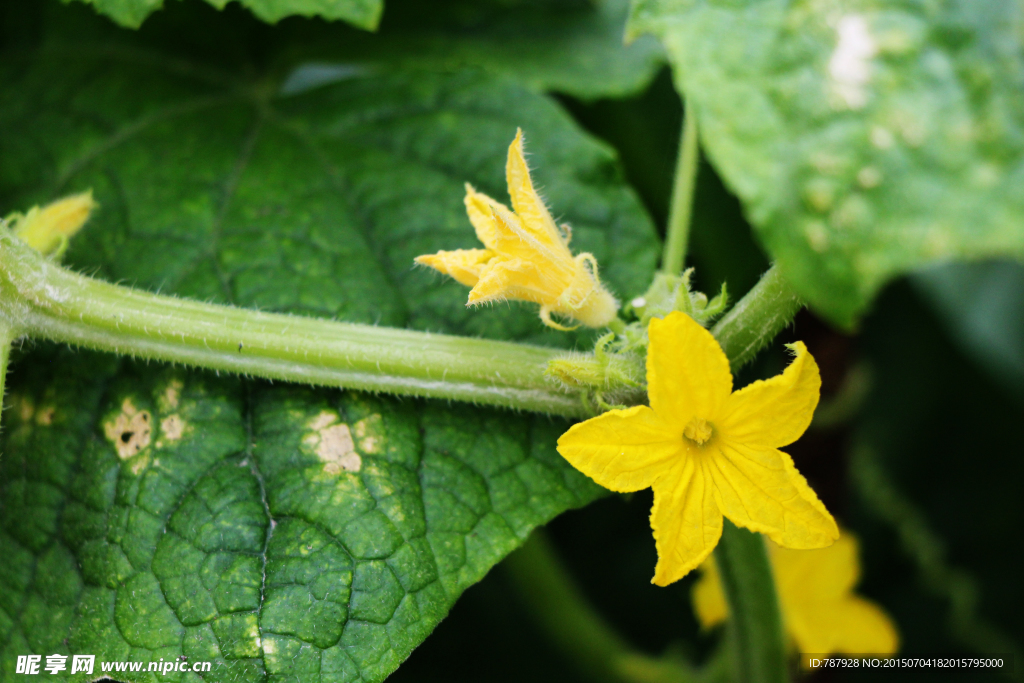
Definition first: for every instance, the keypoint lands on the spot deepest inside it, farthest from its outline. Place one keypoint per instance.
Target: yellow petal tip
(48, 229)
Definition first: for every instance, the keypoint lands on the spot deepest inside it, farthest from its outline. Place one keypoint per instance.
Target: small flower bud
(48, 229)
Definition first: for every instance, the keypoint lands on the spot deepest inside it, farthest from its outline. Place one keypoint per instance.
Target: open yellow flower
(815, 587)
(708, 451)
(527, 256)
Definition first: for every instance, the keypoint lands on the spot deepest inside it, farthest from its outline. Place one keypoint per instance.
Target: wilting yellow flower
(48, 229)
(706, 450)
(815, 588)
(527, 256)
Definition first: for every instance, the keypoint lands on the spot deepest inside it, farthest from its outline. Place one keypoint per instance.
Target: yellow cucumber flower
(527, 256)
(815, 587)
(48, 229)
(706, 450)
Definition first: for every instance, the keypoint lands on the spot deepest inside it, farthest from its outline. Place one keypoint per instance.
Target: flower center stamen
(698, 431)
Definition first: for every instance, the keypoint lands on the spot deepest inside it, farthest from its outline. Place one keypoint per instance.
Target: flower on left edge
(706, 450)
(527, 255)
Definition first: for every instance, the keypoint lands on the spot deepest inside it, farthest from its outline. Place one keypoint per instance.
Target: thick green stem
(756, 318)
(561, 610)
(42, 299)
(755, 624)
(681, 208)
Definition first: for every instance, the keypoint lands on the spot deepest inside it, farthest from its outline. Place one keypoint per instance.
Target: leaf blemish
(171, 396)
(332, 442)
(370, 432)
(850, 64)
(130, 431)
(23, 407)
(172, 427)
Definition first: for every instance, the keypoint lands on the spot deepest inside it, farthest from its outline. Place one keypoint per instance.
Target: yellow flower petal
(821, 613)
(525, 200)
(852, 626)
(513, 240)
(687, 371)
(480, 208)
(530, 257)
(707, 596)
(775, 412)
(760, 489)
(465, 265)
(818, 576)
(509, 279)
(46, 229)
(622, 450)
(686, 520)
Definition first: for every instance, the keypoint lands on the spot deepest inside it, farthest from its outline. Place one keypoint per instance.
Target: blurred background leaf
(982, 308)
(864, 140)
(362, 13)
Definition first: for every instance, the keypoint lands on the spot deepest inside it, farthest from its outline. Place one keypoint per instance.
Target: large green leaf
(281, 532)
(865, 138)
(362, 13)
(571, 47)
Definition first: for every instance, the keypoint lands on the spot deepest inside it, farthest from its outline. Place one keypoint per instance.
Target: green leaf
(362, 13)
(575, 48)
(280, 532)
(864, 139)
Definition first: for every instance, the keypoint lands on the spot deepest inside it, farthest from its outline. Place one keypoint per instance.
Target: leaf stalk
(754, 628)
(681, 208)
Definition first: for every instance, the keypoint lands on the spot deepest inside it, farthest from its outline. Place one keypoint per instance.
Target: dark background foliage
(942, 422)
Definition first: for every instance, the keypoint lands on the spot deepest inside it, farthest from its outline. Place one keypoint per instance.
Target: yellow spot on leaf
(172, 427)
(370, 433)
(44, 416)
(171, 395)
(23, 407)
(332, 442)
(130, 430)
(139, 463)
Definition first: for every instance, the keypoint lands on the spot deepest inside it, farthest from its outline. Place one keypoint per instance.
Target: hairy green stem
(7, 337)
(41, 299)
(756, 318)
(565, 615)
(755, 624)
(681, 209)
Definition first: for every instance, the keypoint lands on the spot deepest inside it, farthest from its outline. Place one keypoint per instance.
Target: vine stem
(7, 337)
(755, 624)
(757, 318)
(681, 208)
(41, 299)
(564, 614)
